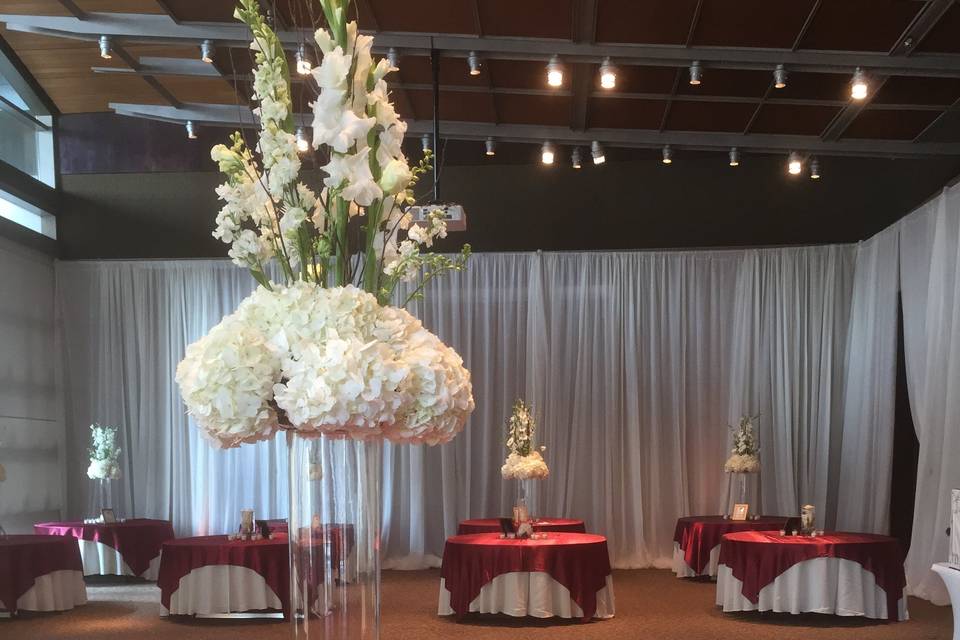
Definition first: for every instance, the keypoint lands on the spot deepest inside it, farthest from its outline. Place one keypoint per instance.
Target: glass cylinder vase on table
(743, 488)
(521, 507)
(334, 534)
(104, 495)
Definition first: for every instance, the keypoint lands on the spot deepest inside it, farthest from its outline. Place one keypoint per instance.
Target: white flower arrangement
(313, 352)
(745, 455)
(104, 453)
(523, 462)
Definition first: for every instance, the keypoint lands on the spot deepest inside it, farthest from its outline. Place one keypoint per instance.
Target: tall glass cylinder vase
(335, 522)
(104, 497)
(743, 488)
(521, 506)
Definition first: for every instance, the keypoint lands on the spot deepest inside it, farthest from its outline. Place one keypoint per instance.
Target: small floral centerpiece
(745, 455)
(104, 453)
(524, 462)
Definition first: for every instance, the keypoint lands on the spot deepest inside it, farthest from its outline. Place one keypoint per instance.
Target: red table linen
(137, 540)
(578, 561)
(698, 535)
(549, 525)
(24, 558)
(757, 558)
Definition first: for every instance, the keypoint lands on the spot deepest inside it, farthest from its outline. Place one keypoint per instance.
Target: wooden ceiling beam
(584, 31)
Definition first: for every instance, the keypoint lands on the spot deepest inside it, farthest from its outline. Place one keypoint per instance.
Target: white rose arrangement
(523, 462)
(745, 455)
(104, 453)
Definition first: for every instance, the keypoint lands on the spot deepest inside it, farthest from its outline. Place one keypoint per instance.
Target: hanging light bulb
(734, 157)
(304, 63)
(696, 73)
(106, 51)
(608, 74)
(491, 147)
(596, 150)
(206, 51)
(575, 158)
(667, 155)
(191, 130)
(393, 57)
(779, 77)
(547, 153)
(554, 72)
(814, 169)
(303, 145)
(425, 142)
(858, 85)
(794, 164)
(473, 61)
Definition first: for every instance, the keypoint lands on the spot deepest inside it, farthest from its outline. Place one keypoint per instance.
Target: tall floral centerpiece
(524, 462)
(743, 463)
(318, 351)
(104, 466)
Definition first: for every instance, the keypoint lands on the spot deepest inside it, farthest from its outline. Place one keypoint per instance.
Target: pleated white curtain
(635, 362)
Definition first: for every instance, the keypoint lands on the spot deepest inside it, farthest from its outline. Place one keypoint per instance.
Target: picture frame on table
(108, 516)
(740, 512)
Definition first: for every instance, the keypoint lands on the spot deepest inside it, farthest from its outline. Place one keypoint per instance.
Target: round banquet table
(565, 575)
(492, 525)
(40, 573)
(696, 541)
(128, 548)
(847, 574)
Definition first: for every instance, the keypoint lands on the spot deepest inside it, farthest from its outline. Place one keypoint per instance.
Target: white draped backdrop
(635, 362)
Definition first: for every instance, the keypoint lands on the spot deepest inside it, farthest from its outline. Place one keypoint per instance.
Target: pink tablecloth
(138, 540)
(25, 558)
(756, 558)
(578, 561)
(698, 535)
(492, 525)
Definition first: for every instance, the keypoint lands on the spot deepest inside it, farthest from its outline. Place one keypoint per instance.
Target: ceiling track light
(555, 72)
(696, 73)
(473, 61)
(794, 164)
(393, 57)
(666, 155)
(425, 142)
(106, 50)
(575, 158)
(814, 169)
(779, 77)
(596, 150)
(206, 51)
(734, 157)
(547, 153)
(191, 130)
(304, 62)
(491, 147)
(303, 145)
(608, 74)
(858, 85)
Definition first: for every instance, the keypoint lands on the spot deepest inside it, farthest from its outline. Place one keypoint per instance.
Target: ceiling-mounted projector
(453, 213)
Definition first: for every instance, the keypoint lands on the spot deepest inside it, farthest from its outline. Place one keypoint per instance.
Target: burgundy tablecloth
(698, 535)
(492, 525)
(756, 558)
(269, 558)
(24, 558)
(137, 540)
(578, 561)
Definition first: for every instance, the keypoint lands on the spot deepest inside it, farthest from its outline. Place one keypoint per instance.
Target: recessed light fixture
(393, 57)
(779, 77)
(547, 153)
(473, 61)
(191, 130)
(608, 74)
(794, 164)
(304, 63)
(491, 147)
(596, 150)
(667, 155)
(303, 145)
(696, 73)
(814, 169)
(106, 51)
(734, 157)
(206, 51)
(554, 72)
(575, 158)
(858, 85)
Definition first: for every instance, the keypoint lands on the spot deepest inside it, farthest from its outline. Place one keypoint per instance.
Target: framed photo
(109, 517)
(740, 512)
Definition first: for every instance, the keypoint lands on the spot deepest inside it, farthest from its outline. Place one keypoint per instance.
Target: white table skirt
(821, 585)
(221, 589)
(951, 578)
(683, 570)
(103, 560)
(55, 591)
(534, 594)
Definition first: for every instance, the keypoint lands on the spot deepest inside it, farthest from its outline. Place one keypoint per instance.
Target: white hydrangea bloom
(517, 467)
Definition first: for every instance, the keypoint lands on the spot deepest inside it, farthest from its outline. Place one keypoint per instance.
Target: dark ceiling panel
(890, 125)
(703, 116)
(634, 79)
(625, 113)
(727, 82)
(860, 25)
(424, 16)
(461, 106)
(522, 74)
(912, 90)
(454, 71)
(553, 19)
(547, 110)
(815, 86)
(793, 119)
(945, 37)
(649, 21)
(751, 23)
(206, 11)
